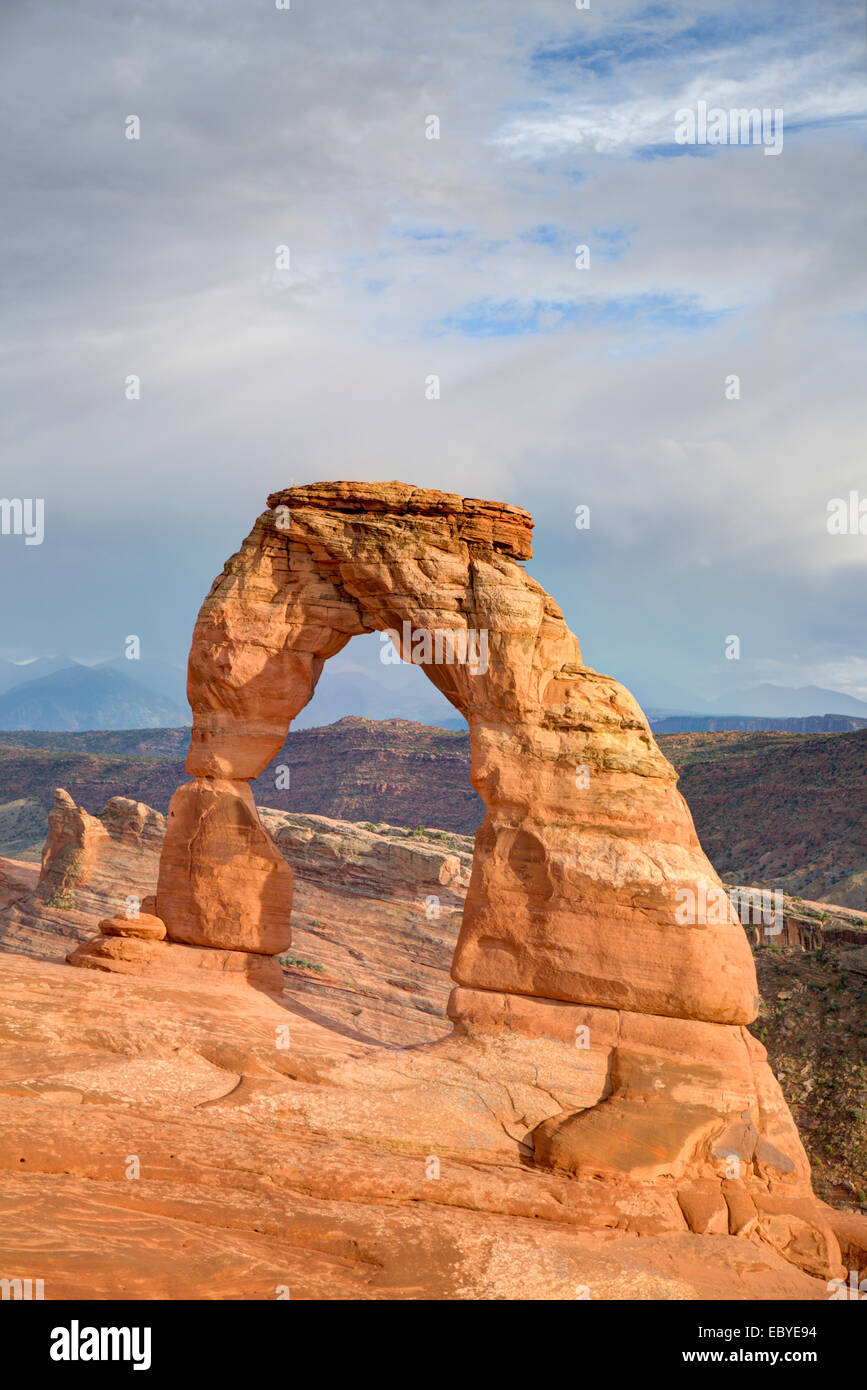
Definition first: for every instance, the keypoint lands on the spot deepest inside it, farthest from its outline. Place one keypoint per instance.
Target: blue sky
(456, 256)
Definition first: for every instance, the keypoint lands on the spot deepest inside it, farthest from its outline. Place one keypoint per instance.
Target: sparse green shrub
(300, 964)
(61, 899)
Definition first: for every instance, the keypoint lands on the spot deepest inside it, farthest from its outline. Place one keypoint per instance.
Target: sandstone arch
(574, 888)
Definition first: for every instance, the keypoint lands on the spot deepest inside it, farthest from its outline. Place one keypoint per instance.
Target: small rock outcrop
(91, 860)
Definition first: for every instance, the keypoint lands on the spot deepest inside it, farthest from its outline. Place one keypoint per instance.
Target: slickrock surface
(375, 921)
(144, 927)
(177, 1234)
(273, 1153)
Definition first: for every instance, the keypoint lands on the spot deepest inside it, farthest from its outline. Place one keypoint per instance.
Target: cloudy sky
(410, 256)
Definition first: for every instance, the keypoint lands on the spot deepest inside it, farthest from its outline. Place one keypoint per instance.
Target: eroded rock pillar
(222, 882)
(259, 645)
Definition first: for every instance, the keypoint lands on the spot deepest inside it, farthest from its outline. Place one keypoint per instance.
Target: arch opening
(375, 815)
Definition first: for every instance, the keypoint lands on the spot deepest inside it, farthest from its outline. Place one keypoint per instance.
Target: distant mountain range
(786, 702)
(93, 697)
(806, 709)
(57, 693)
(745, 723)
(14, 673)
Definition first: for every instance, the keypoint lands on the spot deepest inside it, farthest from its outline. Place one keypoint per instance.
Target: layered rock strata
(376, 912)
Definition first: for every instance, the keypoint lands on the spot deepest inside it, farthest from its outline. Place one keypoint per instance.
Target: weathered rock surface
(276, 1153)
(90, 858)
(93, 867)
(149, 1048)
(808, 926)
(222, 882)
(144, 926)
(135, 955)
(368, 957)
(375, 920)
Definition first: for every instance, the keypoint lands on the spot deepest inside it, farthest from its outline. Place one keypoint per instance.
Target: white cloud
(306, 128)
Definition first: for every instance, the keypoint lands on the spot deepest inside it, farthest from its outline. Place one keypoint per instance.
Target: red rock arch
(575, 887)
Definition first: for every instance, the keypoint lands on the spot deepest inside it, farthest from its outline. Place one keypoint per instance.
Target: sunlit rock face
(587, 846)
